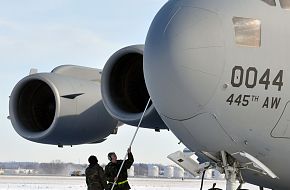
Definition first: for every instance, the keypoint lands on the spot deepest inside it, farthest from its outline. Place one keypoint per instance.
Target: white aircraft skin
(216, 72)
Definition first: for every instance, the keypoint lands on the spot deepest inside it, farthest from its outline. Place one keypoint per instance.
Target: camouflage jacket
(95, 177)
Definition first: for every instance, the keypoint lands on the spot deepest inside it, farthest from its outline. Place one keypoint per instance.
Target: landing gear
(232, 172)
(232, 169)
(229, 164)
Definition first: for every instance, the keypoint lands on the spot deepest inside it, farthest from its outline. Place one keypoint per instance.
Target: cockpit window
(285, 4)
(270, 2)
(247, 31)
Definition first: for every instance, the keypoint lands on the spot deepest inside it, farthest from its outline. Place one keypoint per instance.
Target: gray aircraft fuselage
(217, 73)
(223, 66)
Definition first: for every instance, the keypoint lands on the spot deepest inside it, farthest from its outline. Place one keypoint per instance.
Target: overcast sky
(45, 34)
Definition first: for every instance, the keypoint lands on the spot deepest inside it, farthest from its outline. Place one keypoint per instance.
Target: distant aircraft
(217, 72)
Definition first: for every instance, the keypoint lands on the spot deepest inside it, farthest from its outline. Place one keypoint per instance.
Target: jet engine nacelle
(124, 90)
(63, 107)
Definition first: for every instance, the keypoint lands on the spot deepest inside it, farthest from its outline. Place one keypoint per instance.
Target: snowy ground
(78, 183)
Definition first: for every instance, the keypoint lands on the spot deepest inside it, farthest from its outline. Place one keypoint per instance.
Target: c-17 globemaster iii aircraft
(217, 73)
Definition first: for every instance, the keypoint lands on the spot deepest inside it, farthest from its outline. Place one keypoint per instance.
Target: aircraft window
(270, 2)
(247, 31)
(285, 4)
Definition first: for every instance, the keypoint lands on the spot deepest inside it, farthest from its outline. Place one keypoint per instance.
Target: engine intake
(36, 106)
(59, 109)
(124, 89)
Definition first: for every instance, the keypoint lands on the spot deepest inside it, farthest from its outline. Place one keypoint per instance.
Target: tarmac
(78, 183)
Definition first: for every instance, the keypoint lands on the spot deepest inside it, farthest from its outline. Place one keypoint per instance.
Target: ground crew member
(95, 177)
(111, 171)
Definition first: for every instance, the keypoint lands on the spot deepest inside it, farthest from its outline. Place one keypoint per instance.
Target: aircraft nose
(183, 59)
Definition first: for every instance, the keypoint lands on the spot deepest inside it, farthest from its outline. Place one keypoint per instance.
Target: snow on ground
(78, 183)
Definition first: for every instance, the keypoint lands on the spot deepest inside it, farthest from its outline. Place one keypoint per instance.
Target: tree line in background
(57, 167)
